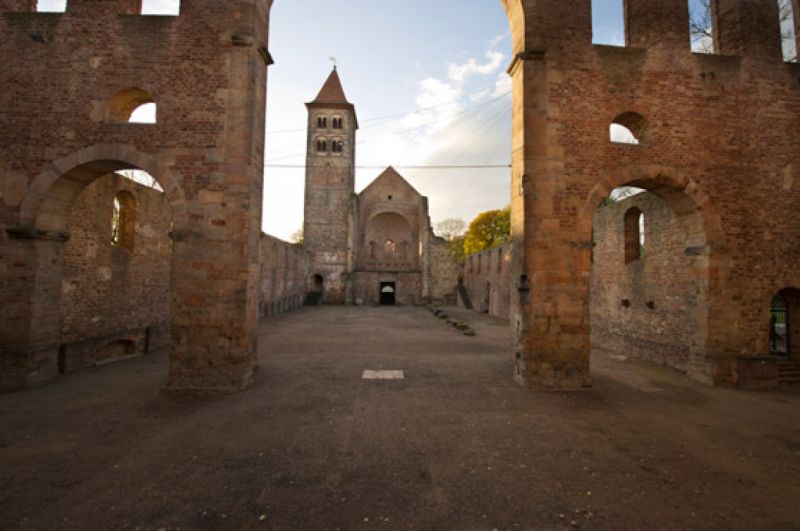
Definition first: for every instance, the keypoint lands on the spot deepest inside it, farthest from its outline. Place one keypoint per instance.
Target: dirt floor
(456, 445)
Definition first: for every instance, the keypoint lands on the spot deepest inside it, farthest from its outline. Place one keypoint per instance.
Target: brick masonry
(652, 307)
(115, 301)
(487, 279)
(720, 148)
(60, 103)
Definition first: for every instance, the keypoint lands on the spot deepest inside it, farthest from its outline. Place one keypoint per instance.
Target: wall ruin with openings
(487, 280)
(284, 276)
(115, 301)
(649, 307)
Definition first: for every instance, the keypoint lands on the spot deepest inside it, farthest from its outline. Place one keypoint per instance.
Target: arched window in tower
(389, 248)
(123, 221)
(337, 146)
(322, 145)
(337, 122)
(322, 122)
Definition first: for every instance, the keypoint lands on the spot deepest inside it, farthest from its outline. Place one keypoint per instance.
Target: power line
(401, 167)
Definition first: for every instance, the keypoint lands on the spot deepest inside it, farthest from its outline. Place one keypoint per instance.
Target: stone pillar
(31, 312)
(657, 23)
(551, 263)
(747, 28)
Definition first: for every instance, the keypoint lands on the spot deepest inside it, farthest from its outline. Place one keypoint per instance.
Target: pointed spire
(332, 91)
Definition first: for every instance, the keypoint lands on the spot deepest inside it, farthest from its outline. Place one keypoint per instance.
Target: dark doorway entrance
(388, 294)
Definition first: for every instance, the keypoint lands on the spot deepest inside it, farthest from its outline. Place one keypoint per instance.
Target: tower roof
(332, 96)
(332, 91)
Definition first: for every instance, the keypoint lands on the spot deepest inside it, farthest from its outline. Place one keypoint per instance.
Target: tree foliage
(489, 229)
(450, 228)
(297, 237)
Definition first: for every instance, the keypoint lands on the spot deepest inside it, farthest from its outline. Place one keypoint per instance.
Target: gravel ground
(455, 445)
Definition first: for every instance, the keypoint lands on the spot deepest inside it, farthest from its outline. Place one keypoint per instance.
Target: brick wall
(648, 308)
(487, 279)
(115, 301)
(443, 271)
(284, 276)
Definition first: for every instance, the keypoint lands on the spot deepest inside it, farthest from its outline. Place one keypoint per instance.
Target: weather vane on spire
(333, 60)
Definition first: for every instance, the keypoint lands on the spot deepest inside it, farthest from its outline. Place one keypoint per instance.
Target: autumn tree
(487, 230)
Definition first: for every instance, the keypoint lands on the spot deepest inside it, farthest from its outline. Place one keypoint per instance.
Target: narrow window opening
(634, 235)
(608, 22)
(389, 248)
(337, 122)
(123, 221)
(788, 22)
(161, 7)
(322, 145)
(337, 146)
(51, 6)
(322, 122)
(701, 26)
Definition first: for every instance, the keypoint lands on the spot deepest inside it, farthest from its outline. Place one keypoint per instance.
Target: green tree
(487, 230)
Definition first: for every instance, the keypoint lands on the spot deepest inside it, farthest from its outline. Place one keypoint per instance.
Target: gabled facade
(376, 247)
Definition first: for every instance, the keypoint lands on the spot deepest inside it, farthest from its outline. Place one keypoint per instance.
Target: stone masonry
(719, 143)
(359, 243)
(487, 280)
(68, 81)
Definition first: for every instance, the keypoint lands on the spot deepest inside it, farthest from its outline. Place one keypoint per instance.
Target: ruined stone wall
(719, 143)
(647, 308)
(61, 81)
(408, 287)
(442, 271)
(487, 279)
(115, 301)
(284, 276)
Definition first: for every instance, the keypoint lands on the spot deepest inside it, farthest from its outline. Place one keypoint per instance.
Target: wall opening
(702, 28)
(123, 221)
(388, 294)
(608, 22)
(51, 6)
(160, 7)
(132, 105)
(628, 128)
(634, 235)
(110, 304)
(784, 331)
(788, 24)
(653, 308)
(318, 284)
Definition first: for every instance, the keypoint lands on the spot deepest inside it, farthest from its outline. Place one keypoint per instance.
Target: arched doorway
(55, 288)
(388, 294)
(784, 331)
(652, 250)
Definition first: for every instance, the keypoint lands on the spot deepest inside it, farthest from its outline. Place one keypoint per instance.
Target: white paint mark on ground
(383, 375)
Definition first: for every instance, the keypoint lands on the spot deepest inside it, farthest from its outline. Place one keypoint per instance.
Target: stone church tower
(330, 190)
(375, 247)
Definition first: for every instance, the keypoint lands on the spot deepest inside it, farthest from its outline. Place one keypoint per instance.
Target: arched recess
(704, 246)
(51, 193)
(32, 333)
(390, 230)
(124, 103)
(786, 294)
